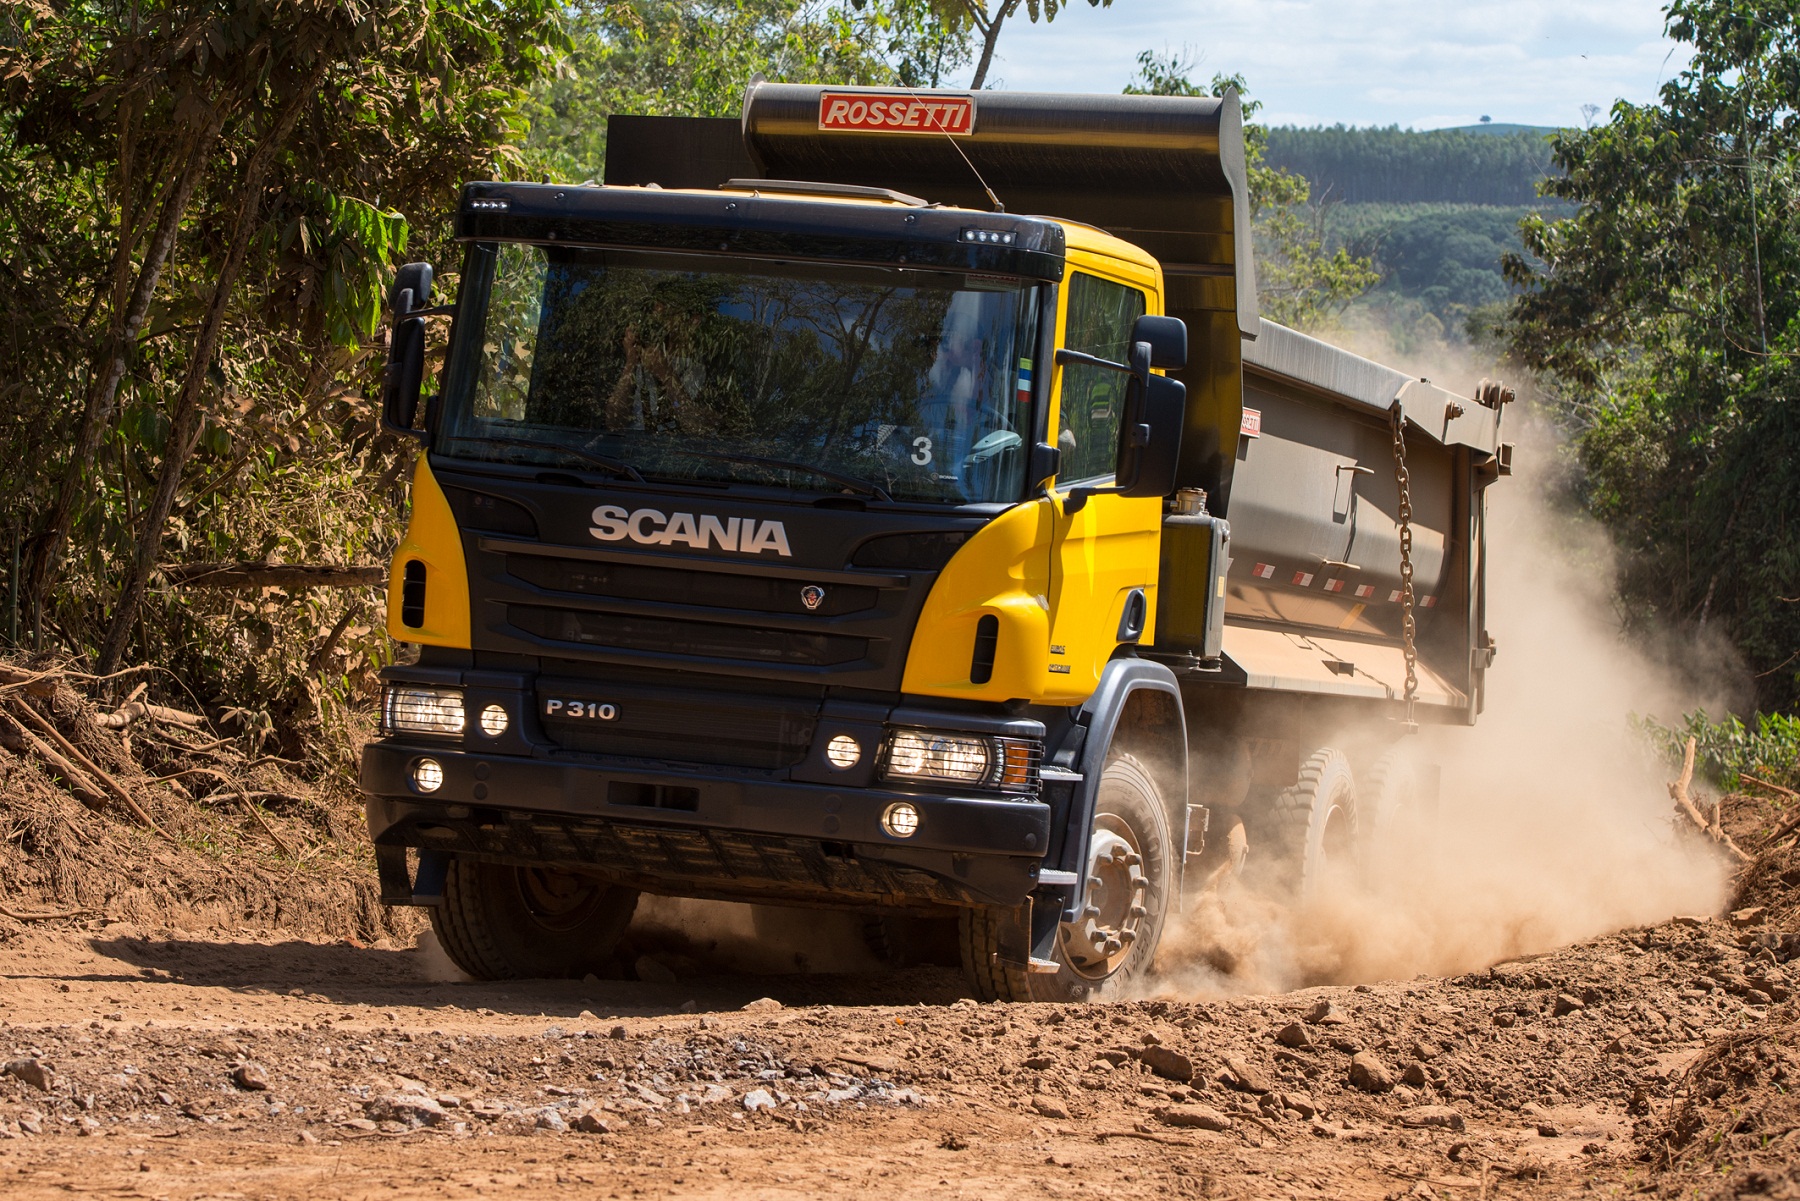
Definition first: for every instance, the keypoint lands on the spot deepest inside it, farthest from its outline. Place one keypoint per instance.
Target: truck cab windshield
(908, 385)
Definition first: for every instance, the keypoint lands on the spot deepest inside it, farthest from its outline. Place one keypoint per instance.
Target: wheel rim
(558, 900)
(1099, 942)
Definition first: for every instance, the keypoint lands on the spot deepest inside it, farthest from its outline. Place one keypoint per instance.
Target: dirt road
(195, 1064)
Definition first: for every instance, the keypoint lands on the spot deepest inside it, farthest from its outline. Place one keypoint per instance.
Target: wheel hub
(1099, 941)
(557, 900)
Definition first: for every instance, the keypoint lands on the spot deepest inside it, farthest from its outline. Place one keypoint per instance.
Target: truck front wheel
(1113, 940)
(499, 922)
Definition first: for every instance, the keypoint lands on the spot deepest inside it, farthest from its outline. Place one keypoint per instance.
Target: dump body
(1314, 595)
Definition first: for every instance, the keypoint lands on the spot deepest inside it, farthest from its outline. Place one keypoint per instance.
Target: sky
(1424, 64)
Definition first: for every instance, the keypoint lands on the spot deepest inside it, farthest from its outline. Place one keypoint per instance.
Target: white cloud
(1419, 63)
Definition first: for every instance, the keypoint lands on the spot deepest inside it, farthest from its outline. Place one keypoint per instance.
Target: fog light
(493, 721)
(428, 776)
(901, 820)
(843, 751)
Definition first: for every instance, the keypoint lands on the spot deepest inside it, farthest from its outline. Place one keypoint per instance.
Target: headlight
(412, 709)
(1003, 764)
(930, 755)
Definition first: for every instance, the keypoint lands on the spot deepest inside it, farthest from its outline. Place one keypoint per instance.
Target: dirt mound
(1732, 1128)
(1736, 1132)
(140, 812)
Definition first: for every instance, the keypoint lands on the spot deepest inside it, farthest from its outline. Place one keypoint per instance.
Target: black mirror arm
(1076, 499)
(1075, 356)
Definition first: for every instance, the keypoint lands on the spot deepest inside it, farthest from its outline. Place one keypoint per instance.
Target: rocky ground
(186, 1064)
(224, 1013)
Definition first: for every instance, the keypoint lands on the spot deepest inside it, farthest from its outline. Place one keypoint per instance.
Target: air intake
(987, 643)
(412, 595)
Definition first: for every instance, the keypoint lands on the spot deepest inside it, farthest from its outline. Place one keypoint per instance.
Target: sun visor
(1163, 172)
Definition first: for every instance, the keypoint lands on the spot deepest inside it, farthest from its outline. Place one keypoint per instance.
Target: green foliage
(1446, 258)
(200, 204)
(1300, 281)
(1665, 319)
(1725, 750)
(694, 58)
(1402, 166)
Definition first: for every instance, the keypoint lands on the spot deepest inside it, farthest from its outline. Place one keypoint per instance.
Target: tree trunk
(98, 406)
(185, 418)
(990, 37)
(258, 574)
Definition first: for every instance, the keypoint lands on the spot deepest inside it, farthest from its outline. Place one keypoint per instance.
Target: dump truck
(893, 501)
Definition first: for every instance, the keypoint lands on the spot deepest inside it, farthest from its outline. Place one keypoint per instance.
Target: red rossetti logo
(859, 111)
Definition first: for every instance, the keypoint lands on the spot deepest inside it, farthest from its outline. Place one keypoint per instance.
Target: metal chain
(1408, 624)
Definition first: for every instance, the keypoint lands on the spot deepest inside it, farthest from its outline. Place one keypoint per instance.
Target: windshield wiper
(836, 477)
(617, 466)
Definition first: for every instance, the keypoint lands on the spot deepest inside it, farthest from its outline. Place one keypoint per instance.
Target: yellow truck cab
(782, 535)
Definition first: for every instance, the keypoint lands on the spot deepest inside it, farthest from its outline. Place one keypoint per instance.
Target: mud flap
(1193, 847)
(1013, 941)
(398, 887)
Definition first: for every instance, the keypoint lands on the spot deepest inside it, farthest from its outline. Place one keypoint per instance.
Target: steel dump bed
(1314, 589)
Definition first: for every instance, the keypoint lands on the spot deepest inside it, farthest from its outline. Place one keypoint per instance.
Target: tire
(1397, 811)
(500, 922)
(1313, 825)
(1114, 943)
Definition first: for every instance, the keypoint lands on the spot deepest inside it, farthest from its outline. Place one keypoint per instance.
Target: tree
(988, 17)
(1664, 316)
(695, 58)
(1298, 282)
(225, 186)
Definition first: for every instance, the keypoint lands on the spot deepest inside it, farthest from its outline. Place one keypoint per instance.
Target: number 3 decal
(922, 451)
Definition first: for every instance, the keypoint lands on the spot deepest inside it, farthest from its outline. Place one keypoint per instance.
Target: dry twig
(134, 710)
(244, 576)
(1786, 792)
(1164, 1139)
(78, 783)
(1678, 792)
(99, 773)
(244, 801)
(16, 916)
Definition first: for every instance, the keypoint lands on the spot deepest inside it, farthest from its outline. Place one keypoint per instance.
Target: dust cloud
(1553, 823)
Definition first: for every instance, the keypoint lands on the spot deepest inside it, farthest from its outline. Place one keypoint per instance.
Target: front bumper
(708, 832)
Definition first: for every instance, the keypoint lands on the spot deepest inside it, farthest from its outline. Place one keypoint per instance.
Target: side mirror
(411, 290)
(1153, 442)
(1168, 341)
(405, 374)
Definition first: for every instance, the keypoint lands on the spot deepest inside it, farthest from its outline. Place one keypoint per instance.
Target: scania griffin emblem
(812, 596)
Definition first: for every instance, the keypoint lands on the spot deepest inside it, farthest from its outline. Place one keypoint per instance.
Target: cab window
(1101, 314)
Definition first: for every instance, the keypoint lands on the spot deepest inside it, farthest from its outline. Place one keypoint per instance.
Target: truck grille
(700, 638)
(677, 586)
(683, 726)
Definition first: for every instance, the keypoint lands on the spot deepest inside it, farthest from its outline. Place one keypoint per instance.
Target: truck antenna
(992, 199)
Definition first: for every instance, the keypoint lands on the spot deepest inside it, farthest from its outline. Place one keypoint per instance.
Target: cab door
(1107, 551)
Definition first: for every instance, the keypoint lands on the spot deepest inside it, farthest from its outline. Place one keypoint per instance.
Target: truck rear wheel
(1130, 879)
(500, 922)
(1313, 824)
